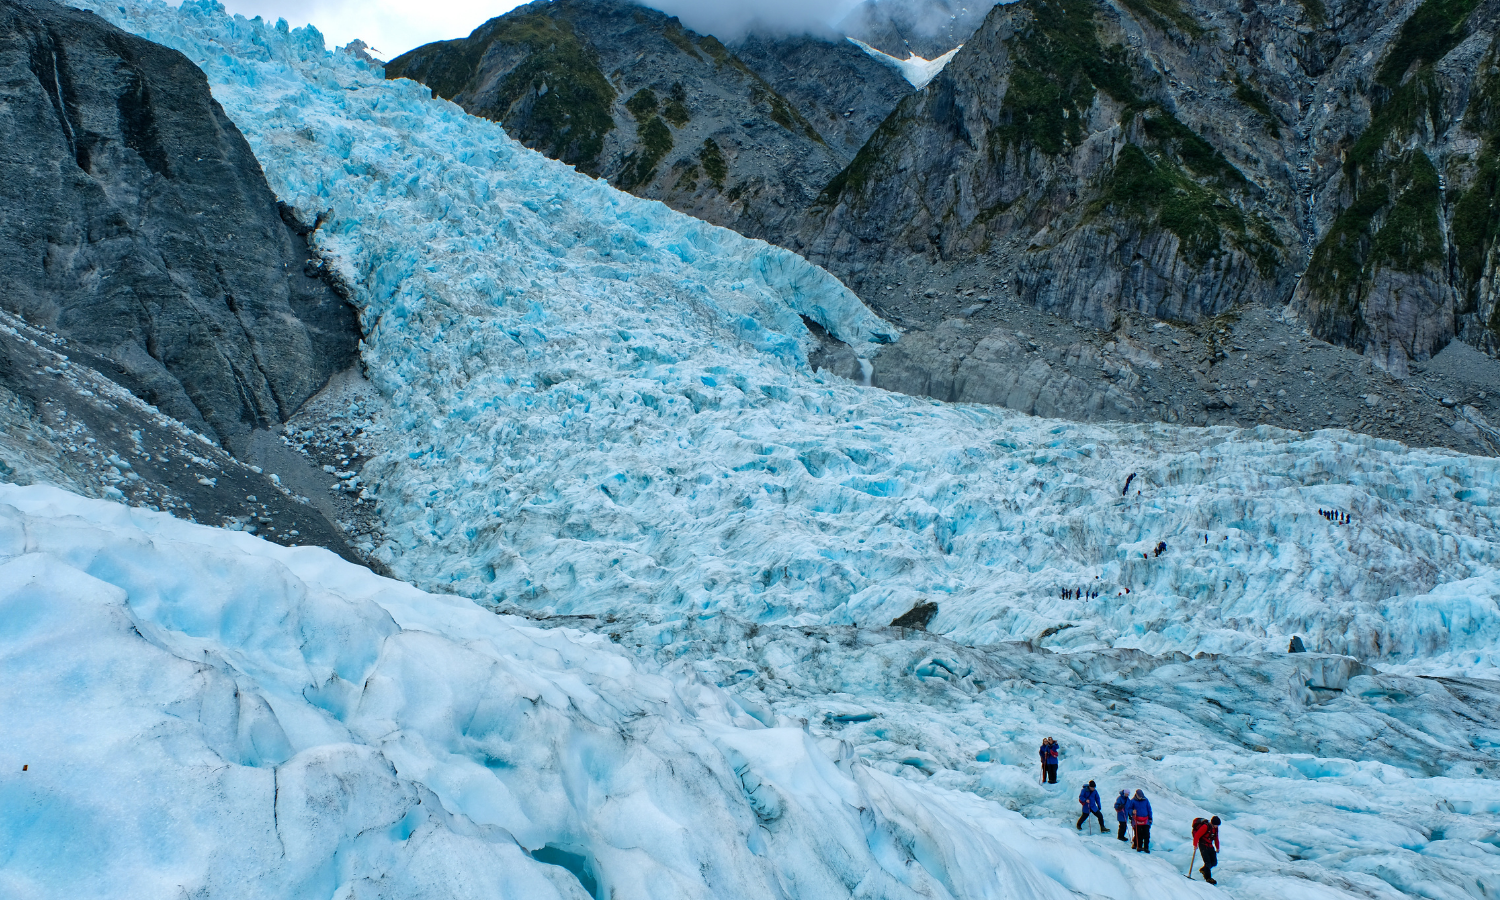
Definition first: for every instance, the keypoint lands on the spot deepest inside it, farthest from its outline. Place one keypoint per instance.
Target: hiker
(1049, 754)
(1206, 839)
(1121, 803)
(1140, 817)
(1088, 798)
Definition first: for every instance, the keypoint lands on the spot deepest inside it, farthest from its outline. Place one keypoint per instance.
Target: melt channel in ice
(597, 406)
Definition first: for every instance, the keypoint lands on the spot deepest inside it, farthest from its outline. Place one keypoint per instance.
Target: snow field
(914, 68)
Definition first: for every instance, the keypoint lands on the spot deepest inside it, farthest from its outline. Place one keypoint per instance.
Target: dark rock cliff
(840, 89)
(1408, 260)
(1061, 146)
(145, 260)
(1104, 165)
(136, 222)
(627, 94)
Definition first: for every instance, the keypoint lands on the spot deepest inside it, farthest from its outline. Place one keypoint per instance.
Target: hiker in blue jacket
(1122, 805)
(1140, 817)
(1088, 798)
(1049, 753)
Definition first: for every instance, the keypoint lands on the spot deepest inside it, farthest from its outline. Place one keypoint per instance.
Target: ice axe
(1191, 861)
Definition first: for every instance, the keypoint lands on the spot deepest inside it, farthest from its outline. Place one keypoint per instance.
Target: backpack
(1200, 830)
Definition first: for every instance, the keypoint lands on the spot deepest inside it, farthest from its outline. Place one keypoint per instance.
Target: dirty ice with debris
(586, 409)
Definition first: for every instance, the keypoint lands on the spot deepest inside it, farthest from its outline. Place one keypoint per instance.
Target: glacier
(204, 713)
(596, 412)
(596, 404)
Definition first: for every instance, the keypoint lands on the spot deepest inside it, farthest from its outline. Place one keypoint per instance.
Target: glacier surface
(592, 407)
(597, 404)
(203, 713)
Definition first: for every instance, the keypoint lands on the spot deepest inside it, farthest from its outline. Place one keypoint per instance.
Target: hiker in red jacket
(1206, 839)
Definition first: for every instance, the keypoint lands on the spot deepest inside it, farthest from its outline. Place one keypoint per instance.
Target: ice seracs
(599, 405)
(201, 712)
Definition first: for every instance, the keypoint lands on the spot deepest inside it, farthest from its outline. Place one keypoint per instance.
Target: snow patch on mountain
(914, 68)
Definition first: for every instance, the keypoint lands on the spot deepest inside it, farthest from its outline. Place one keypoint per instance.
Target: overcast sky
(394, 26)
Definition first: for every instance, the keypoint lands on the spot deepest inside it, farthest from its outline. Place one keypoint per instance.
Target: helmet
(1215, 820)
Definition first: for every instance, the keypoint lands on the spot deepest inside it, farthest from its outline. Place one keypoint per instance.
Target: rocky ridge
(744, 137)
(135, 221)
(161, 312)
(1105, 165)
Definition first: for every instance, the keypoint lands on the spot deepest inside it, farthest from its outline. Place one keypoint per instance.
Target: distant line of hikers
(1079, 594)
(1134, 811)
(1335, 516)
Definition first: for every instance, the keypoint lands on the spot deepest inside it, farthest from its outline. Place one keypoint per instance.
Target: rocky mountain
(1114, 165)
(146, 262)
(135, 221)
(745, 138)
(1140, 210)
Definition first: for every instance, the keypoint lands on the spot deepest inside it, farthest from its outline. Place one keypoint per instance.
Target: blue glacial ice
(596, 407)
(596, 404)
(203, 713)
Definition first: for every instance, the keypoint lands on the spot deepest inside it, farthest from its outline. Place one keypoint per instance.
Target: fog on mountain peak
(898, 22)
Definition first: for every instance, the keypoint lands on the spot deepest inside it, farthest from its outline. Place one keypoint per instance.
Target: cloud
(392, 27)
(729, 20)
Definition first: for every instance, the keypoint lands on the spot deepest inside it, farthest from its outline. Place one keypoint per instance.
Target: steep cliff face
(1097, 156)
(842, 91)
(627, 94)
(1084, 168)
(1407, 262)
(135, 221)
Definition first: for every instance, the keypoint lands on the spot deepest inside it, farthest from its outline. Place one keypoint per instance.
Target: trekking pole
(1191, 861)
